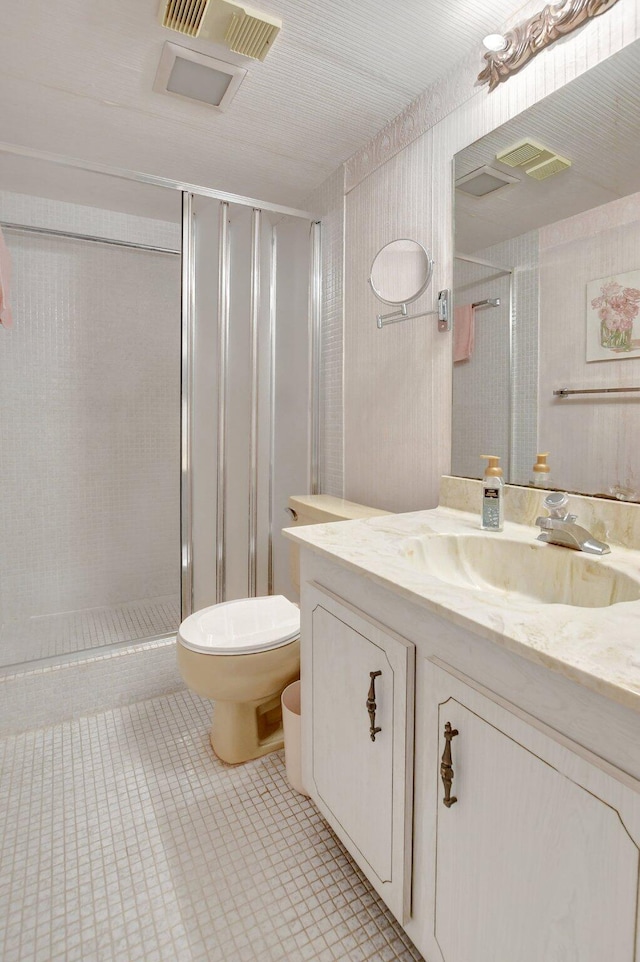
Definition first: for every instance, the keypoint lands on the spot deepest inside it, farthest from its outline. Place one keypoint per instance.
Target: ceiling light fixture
(193, 76)
(495, 42)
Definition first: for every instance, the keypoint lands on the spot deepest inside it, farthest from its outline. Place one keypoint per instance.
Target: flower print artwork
(613, 317)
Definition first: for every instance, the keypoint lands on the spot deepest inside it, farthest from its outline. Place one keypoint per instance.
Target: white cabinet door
(537, 859)
(362, 778)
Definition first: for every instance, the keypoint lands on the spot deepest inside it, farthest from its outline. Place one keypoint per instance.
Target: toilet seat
(242, 627)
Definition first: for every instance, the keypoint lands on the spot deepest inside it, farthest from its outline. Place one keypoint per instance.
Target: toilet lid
(242, 627)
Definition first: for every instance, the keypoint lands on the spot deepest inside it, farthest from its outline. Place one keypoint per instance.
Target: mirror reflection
(401, 271)
(547, 290)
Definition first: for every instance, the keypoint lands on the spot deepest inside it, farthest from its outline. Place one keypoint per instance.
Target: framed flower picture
(613, 317)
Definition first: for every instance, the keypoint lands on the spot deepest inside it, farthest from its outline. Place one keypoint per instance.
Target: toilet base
(241, 731)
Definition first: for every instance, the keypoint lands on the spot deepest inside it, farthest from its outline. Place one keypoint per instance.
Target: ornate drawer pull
(371, 705)
(446, 768)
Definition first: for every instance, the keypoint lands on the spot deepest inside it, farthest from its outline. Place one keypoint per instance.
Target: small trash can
(291, 724)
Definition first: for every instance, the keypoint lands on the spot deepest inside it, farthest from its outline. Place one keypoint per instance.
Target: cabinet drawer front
(537, 857)
(361, 706)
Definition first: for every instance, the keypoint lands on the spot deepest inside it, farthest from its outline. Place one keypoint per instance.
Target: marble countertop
(596, 647)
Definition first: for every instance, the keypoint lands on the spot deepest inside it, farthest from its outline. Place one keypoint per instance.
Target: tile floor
(44, 636)
(124, 839)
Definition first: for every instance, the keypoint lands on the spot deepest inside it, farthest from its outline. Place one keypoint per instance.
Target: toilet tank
(320, 509)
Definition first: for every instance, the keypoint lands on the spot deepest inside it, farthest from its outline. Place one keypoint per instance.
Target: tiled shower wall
(89, 419)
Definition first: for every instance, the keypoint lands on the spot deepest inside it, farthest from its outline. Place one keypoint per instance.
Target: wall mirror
(547, 289)
(401, 271)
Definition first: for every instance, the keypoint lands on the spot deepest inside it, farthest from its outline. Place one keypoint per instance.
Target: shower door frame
(187, 337)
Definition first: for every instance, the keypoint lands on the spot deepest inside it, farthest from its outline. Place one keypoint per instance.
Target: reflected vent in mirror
(523, 153)
(485, 180)
(537, 160)
(554, 165)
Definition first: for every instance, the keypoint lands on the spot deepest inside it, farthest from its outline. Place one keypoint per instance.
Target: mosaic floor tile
(124, 838)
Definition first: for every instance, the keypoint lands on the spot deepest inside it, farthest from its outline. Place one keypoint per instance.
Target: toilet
(242, 654)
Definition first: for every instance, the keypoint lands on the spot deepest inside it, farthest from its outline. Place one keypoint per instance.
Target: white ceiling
(76, 78)
(594, 122)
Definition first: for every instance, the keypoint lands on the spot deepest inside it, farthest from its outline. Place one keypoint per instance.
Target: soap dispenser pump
(492, 495)
(541, 474)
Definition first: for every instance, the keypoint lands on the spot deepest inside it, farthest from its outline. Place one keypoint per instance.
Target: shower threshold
(66, 633)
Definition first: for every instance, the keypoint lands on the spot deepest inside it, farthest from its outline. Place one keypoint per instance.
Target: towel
(464, 325)
(6, 317)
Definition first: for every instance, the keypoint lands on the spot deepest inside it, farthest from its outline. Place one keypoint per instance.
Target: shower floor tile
(124, 838)
(44, 636)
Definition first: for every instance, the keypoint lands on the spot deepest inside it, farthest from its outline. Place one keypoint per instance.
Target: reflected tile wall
(487, 403)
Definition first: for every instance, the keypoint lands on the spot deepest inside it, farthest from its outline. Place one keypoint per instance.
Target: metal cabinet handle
(371, 705)
(446, 768)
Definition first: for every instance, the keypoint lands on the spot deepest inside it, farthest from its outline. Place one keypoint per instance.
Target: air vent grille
(549, 168)
(251, 36)
(185, 16)
(524, 152)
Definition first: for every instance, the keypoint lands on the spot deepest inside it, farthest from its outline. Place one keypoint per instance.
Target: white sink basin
(546, 574)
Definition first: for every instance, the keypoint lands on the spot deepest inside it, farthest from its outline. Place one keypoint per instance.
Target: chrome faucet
(561, 528)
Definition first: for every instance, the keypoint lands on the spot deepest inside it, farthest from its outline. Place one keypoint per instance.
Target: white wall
(397, 382)
(89, 419)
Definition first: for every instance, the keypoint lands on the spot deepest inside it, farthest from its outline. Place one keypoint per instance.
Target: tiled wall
(592, 440)
(397, 382)
(89, 419)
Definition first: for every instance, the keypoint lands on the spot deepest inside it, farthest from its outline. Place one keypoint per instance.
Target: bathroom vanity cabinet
(536, 856)
(361, 705)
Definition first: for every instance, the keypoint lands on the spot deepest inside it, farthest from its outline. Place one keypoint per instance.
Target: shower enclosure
(248, 426)
(481, 407)
(156, 407)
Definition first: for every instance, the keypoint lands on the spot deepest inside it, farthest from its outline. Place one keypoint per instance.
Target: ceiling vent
(184, 17)
(553, 165)
(485, 180)
(193, 76)
(524, 152)
(251, 33)
(537, 160)
(243, 29)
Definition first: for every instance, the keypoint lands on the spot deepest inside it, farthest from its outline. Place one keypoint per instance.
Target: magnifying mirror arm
(392, 317)
(400, 314)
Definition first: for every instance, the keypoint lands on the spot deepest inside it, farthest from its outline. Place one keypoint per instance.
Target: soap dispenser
(492, 495)
(541, 474)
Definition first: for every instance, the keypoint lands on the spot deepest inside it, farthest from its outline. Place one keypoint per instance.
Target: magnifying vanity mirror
(547, 289)
(401, 271)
